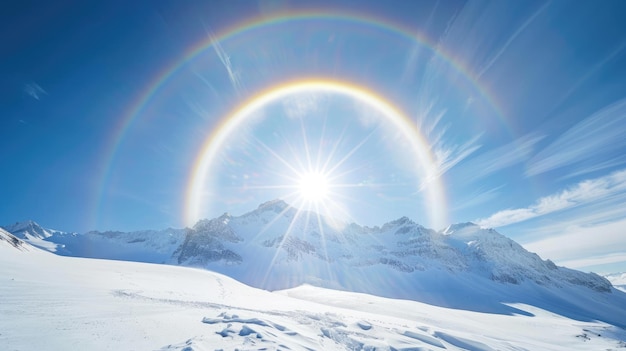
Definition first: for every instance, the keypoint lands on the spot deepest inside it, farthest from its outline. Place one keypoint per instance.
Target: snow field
(56, 303)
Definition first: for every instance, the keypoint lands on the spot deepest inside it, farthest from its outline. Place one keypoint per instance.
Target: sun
(313, 187)
(313, 143)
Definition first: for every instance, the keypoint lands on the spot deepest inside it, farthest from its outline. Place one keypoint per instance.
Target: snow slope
(52, 302)
(8, 240)
(278, 247)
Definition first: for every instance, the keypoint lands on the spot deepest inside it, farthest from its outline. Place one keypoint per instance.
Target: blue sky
(521, 107)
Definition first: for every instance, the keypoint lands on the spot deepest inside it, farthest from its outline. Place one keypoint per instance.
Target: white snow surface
(51, 302)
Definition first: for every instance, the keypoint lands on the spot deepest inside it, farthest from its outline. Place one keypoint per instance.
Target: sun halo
(203, 184)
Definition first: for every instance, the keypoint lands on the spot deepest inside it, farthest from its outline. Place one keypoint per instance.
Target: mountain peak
(277, 205)
(17, 226)
(28, 229)
(400, 222)
(458, 227)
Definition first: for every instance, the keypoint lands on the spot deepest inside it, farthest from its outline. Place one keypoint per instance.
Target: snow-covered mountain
(152, 246)
(11, 241)
(278, 247)
(29, 230)
(36, 235)
(277, 240)
(50, 302)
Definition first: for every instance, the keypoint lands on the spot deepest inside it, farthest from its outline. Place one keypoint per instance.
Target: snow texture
(51, 302)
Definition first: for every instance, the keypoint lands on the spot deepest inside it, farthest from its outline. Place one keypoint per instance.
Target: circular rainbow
(125, 123)
(425, 165)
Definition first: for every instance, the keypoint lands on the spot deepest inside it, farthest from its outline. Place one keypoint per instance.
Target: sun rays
(316, 148)
(324, 159)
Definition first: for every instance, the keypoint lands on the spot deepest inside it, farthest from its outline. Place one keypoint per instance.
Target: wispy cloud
(206, 82)
(591, 261)
(593, 70)
(477, 197)
(413, 57)
(589, 236)
(34, 90)
(610, 163)
(233, 75)
(599, 135)
(512, 38)
(502, 157)
(595, 214)
(577, 245)
(446, 155)
(585, 192)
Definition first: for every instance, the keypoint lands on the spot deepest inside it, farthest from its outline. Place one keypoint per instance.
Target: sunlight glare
(313, 187)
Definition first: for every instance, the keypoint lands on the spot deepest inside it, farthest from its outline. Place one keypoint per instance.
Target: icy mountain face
(153, 246)
(10, 240)
(204, 244)
(509, 262)
(464, 266)
(277, 246)
(29, 230)
(36, 235)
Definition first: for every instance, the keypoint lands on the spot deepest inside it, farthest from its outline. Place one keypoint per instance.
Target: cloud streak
(601, 134)
(610, 163)
(502, 157)
(595, 260)
(225, 59)
(512, 38)
(589, 74)
(445, 155)
(585, 192)
(477, 197)
(34, 90)
(581, 246)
